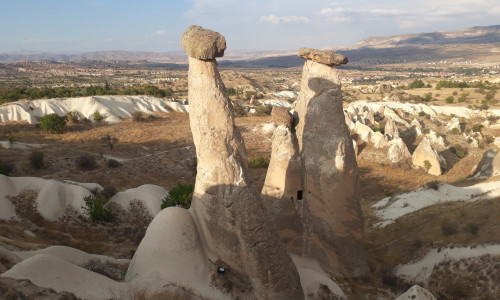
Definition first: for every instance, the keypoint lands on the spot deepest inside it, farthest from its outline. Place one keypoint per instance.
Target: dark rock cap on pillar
(322, 57)
(203, 43)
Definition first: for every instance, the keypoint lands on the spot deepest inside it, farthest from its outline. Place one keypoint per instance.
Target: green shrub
(85, 162)
(450, 99)
(421, 113)
(113, 163)
(181, 195)
(427, 165)
(416, 84)
(472, 228)
(263, 110)
(462, 97)
(231, 91)
(448, 227)
(427, 97)
(258, 161)
(36, 159)
(53, 123)
(239, 110)
(138, 116)
(98, 117)
(459, 151)
(477, 127)
(5, 169)
(455, 131)
(380, 128)
(72, 116)
(94, 208)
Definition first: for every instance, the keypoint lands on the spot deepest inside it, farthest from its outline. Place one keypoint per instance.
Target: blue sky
(156, 26)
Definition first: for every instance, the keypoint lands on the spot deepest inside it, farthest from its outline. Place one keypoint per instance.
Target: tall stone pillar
(234, 226)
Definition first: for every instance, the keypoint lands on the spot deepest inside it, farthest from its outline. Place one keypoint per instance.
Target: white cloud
(159, 32)
(110, 39)
(388, 12)
(274, 19)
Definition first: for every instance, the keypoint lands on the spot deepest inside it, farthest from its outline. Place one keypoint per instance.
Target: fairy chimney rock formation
(331, 213)
(426, 157)
(233, 225)
(391, 129)
(203, 43)
(322, 57)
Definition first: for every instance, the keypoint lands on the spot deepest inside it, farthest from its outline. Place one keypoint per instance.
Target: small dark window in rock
(299, 195)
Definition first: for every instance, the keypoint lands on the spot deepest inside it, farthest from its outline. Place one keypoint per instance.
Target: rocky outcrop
(416, 293)
(496, 165)
(327, 199)
(323, 57)
(398, 151)
(234, 227)
(426, 157)
(364, 132)
(391, 129)
(202, 43)
(283, 178)
(454, 125)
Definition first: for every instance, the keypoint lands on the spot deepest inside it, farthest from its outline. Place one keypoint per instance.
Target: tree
(53, 123)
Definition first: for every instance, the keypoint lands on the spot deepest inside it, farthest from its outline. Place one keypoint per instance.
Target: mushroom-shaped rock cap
(203, 43)
(323, 57)
(281, 116)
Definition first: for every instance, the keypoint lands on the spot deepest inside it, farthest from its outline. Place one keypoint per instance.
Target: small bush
(477, 127)
(239, 110)
(388, 193)
(138, 116)
(6, 169)
(98, 117)
(263, 110)
(448, 227)
(181, 195)
(113, 163)
(258, 161)
(450, 99)
(459, 151)
(85, 162)
(433, 185)
(455, 131)
(108, 192)
(53, 123)
(422, 114)
(472, 228)
(427, 165)
(36, 159)
(380, 128)
(427, 97)
(94, 208)
(462, 97)
(72, 116)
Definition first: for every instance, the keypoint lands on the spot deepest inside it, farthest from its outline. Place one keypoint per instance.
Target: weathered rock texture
(496, 165)
(234, 226)
(203, 43)
(398, 150)
(391, 129)
(322, 57)
(320, 216)
(426, 157)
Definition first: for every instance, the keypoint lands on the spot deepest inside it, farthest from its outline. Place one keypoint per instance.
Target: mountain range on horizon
(466, 43)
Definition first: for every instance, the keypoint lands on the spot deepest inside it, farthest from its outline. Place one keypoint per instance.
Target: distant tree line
(17, 93)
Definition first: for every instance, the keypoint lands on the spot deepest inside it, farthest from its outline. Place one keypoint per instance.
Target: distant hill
(474, 35)
(480, 44)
